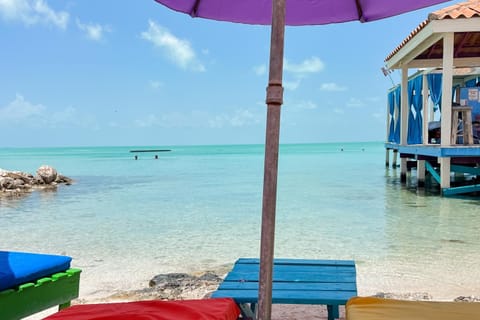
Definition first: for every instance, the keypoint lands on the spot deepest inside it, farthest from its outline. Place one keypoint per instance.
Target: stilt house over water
(433, 116)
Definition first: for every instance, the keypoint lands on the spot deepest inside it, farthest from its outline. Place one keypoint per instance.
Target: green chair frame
(30, 298)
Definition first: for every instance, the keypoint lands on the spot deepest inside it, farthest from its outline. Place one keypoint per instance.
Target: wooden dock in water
(149, 151)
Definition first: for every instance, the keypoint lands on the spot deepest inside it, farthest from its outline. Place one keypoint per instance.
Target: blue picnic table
(295, 281)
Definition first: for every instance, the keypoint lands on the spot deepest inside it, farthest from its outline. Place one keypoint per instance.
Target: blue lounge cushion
(22, 267)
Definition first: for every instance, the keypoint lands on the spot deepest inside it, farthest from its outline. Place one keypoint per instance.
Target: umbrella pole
(274, 102)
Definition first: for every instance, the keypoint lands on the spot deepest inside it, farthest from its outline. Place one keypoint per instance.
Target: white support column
(444, 172)
(421, 173)
(447, 81)
(404, 122)
(425, 109)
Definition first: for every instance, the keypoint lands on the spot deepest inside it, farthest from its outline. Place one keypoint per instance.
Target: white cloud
(69, 116)
(197, 119)
(93, 31)
(113, 124)
(21, 111)
(355, 103)
(312, 65)
(173, 120)
(260, 70)
(149, 121)
(378, 115)
(338, 110)
(291, 85)
(330, 86)
(240, 118)
(305, 105)
(31, 12)
(177, 50)
(156, 84)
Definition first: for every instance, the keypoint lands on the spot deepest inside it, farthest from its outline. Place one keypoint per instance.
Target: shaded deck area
(461, 171)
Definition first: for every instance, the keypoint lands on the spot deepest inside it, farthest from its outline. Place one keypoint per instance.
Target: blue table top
(295, 281)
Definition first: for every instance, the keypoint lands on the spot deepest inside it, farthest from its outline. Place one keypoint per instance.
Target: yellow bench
(370, 308)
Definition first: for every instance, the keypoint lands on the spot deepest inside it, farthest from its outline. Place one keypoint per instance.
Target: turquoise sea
(199, 207)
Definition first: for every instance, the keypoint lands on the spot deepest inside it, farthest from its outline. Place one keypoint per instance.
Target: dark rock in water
(453, 241)
(63, 179)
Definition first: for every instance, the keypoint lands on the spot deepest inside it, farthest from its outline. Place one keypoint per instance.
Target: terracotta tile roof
(469, 9)
(462, 10)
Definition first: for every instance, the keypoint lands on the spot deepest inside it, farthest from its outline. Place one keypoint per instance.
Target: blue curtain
(471, 83)
(398, 105)
(391, 110)
(435, 86)
(414, 135)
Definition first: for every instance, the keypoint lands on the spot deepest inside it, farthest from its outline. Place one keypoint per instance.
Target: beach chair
(211, 309)
(33, 282)
(370, 308)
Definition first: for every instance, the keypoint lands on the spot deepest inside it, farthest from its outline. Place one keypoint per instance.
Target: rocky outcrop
(467, 299)
(47, 174)
(16, 183)
(174, 286)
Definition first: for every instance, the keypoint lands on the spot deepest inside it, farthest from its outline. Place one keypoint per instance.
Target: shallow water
(195, 208)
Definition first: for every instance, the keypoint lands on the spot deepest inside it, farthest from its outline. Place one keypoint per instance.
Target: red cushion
(208, 309)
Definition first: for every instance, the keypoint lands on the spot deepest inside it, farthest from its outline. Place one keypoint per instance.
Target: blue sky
(101, 73)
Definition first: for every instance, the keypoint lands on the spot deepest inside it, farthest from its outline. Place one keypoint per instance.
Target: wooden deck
(461, 165)
(433, 150)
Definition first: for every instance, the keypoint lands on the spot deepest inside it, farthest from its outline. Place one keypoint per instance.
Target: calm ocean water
(199, 207)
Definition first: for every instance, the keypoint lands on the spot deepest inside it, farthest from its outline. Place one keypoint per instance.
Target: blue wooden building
(433, 116)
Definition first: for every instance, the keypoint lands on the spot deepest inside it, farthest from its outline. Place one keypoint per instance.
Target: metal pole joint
(274, 94)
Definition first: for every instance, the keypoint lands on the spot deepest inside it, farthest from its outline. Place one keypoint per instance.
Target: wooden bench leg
(248, 311)
(64, 305)
(333, 312)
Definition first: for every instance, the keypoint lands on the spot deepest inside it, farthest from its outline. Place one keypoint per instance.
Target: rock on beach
(17, 183)
(174, 286)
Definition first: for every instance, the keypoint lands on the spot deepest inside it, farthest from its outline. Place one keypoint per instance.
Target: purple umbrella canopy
(298, 12)
(279, 13)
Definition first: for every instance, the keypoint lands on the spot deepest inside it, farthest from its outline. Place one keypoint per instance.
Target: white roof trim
(431, 33)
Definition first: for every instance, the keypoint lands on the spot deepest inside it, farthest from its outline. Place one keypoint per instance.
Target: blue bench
(295, 281)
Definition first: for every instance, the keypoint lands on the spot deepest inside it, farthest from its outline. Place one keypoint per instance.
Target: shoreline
(199, 285)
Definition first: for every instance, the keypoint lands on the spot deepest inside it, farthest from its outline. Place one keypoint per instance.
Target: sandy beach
(368, 285)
